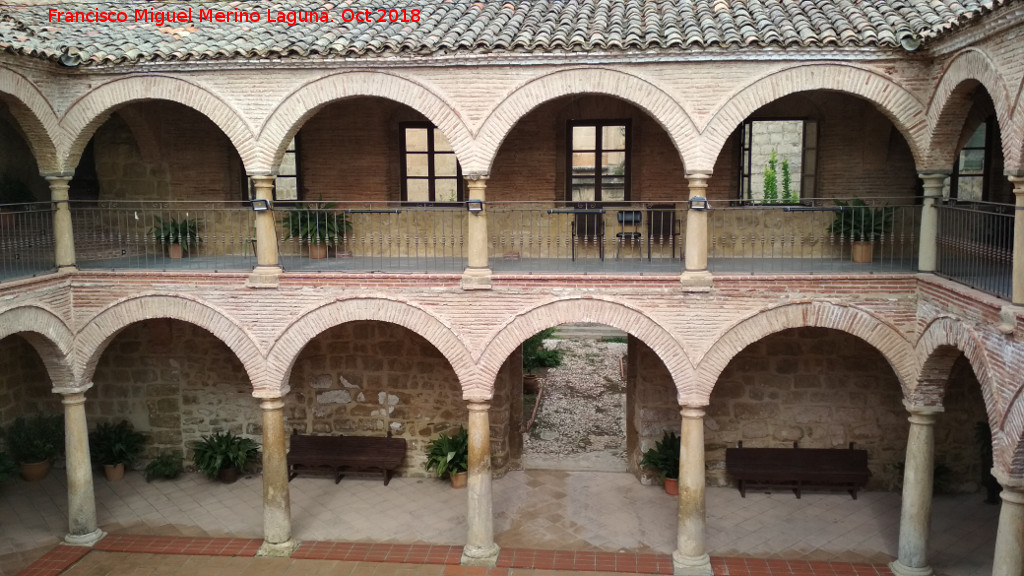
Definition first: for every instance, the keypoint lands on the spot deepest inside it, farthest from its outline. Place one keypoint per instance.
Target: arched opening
(783, 174)
(25, 385)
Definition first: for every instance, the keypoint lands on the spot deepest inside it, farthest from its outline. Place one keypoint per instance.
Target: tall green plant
(787, 183)
(447, 455)
(116, 443)
(35, 439)
(771, 181)
(316, 223)
(173, 231)
(222, 450)
(664, 457)
(856, 221)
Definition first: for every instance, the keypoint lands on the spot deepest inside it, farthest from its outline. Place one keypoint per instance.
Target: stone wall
(651, 405)
(24, 383)
(957, 453)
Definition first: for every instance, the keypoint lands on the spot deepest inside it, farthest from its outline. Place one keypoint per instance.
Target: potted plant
(449, 456)
(33, 442)
(536, 356)
(179, 236)
(857, 222)
(318, 226)
(664, 460)
(224, 455)
(14, 197)
(116, 446)
(166, 466)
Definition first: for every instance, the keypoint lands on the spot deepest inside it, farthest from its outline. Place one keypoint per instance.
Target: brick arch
(899, 105)
(311, 323)
(615, 314)
(942, 341)
(949, 105)
(664, 109)
(87, 113)
(49, 336)
(35, 117)
(94, 337)
(854, 321)
(302, 104)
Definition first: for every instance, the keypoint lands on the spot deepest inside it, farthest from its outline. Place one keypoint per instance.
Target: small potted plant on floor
(224, 455)
(449, 456)
(856, 222)
(663, 459)
(536, 356)
(166, 466)
(179, 236)
(33, 442)
(318, 226)
(116, 446)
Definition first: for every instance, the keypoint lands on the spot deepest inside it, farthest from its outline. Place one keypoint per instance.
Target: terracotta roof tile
(446, 26)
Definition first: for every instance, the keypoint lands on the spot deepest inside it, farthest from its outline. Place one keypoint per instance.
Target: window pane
(416, 139)
(446, 190)
(440, 142)
(583, 163)
(811, 134)
(416, 165)
(613, 163)
(417, 190)
(286, 188)
(785, 139)
(977, 139)
(613, 138)
(613, 190)
(445, 165)
(972, 161)
(583, 190)
(287, 165)
(583, 137)
(970, 188)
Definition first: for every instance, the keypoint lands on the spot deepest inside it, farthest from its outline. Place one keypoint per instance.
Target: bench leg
(292, 475)
(797, 489)
(387, 477)
(853, 492)
(338, 475)
(743, 489)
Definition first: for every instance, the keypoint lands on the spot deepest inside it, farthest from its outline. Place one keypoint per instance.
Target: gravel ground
(583, 405)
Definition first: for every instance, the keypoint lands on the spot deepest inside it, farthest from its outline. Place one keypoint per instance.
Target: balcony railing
(815, 236)
(975, 245)
(26, 240)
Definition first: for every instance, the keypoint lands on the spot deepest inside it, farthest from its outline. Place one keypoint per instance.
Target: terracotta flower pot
(531, 383)
(228, 475)
(318, 251)
(113, 472)
(862, 252)
(35, 471)
(672, 486)
(175, 251)
(459, 480)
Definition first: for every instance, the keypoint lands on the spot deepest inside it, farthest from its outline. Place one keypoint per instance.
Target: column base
(85, 539)
(264, 277)
(476, 279)
(898, 569)
(277, 550)
(691, 565)
(480, 556)
(696, 281)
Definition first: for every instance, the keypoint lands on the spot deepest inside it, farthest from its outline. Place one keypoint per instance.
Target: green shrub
(222, 450)
(664, 457)
(447, 455)
(535, 355)
(116, 443)
(35, 439)
(167, 466)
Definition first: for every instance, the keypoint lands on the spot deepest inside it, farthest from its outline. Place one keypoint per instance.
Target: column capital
(1010, 484)
(271, 404)
(72, 390)
(272, 393)
(478, 406)
(73, 398)
(692, 412)
(698, 182)
(1018, 184)
(922, 414)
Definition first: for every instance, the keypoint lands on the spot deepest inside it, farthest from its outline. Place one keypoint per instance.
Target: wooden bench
(338, 454)
(797, 468)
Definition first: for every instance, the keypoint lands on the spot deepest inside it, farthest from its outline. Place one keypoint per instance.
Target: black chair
(632, 218)
(662, 227)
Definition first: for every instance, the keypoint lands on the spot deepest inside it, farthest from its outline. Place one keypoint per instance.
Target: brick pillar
(916, 514)
(480, 549)
(277, 524)
(63, 235)
(695, 274)
(267, 269)
(929, 221)
(1018, 241)
(1009, 554)
(477, 275)
(82, 527)
(690, 557)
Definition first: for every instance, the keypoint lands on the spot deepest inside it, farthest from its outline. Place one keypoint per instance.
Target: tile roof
(492, 26)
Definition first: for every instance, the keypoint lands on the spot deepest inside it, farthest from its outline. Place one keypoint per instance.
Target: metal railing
(586, 237)
(975, 245)
(815, 236)
(180, 235)
(26, 240)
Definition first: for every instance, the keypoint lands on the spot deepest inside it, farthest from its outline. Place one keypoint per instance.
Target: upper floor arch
(311, 323)
(303, 103)
(97, 333)
(86, 114)
(51, 338)
(664, 109)
(36, 118)
(615, 314)
(845, 318)
(901, 107)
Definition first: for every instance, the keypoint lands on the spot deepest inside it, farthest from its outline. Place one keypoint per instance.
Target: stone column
(267, 270)
(1018, 241)
(929, 221)
(1009, 554)
(480, 549)
(82, 528)
(690, 557)
(477, 275)
(63, 235)
(915, 518)
(695, 274)
(277, 524)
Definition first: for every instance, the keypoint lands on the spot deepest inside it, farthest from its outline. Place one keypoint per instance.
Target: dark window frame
(986, 163)
(249, 190)
(627, 175)
(431, 177)
(808, 180)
